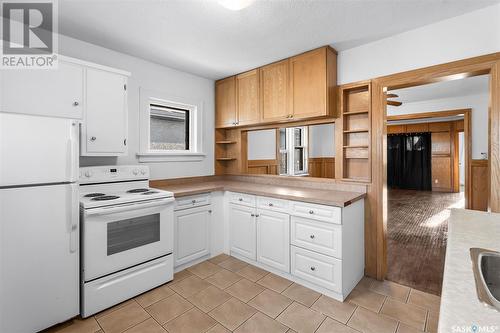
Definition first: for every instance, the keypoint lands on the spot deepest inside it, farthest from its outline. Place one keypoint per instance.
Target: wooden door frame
(482, 65)
(467, 139)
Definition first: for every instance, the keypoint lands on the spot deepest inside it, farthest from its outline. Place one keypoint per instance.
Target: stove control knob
(135, 172)
(88, 174)
(143, 172)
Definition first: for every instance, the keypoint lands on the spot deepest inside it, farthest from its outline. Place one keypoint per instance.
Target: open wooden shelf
(355, 112)
(225, 142)
(357, 131)
(356, 146)
(226, 158)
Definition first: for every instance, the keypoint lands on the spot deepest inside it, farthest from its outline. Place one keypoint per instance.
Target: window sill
(170, 157)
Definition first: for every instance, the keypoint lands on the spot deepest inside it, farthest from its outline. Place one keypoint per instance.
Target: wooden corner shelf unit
(227, 151)
(355, 120)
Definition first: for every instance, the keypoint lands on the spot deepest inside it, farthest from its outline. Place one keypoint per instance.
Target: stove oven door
(122, 236)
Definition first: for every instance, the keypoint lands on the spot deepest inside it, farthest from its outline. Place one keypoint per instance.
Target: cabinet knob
(313, 268)
(210, 211)
(93, 138)
(271, 204)
(312, 236)
(257, 215)
(193, 201)
(311, 212)
(75, 103)
(252, 215)
(240, 199)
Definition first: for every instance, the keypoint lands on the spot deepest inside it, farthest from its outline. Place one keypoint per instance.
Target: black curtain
(409, 161)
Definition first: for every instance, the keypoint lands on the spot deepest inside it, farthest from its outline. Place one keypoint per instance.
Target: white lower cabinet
(242, 227)
(319, 246)
(273, 239)
(317, 268)
(192, 234)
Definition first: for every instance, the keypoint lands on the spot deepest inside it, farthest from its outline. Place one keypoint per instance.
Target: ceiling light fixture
(235, 4)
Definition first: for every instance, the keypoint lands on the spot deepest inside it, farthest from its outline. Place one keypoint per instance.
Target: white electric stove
(127, 235)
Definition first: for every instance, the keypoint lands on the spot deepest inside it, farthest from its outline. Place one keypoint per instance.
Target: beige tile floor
(225, 294)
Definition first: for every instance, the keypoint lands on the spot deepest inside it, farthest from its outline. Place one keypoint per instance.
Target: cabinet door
(273, 239)
(274, 86)
(247, 87)
(308, 84)
(242, 230)
(106, 114)
(225, 102)
(192, 234)
(55, 92)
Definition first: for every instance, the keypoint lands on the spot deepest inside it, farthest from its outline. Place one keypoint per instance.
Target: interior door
(242, 230)
(273, 239)
(106, 116)
(192, 230)
(39, 271)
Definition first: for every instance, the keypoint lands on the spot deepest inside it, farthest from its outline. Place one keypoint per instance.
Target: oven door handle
(127, 207)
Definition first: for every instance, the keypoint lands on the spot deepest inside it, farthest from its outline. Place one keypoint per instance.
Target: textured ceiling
(204, 38)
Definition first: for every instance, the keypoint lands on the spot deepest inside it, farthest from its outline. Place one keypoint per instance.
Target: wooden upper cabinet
(296, 88)
(225, 102)
(313, 80)
(247, 90)
(274, 91)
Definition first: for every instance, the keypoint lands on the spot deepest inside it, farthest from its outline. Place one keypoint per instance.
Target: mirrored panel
(300, 151)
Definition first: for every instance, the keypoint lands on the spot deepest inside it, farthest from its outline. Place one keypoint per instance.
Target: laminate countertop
(461, 310)
(319, 196)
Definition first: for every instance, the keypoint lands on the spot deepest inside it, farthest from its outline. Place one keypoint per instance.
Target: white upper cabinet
(104, 130)
(52, 92)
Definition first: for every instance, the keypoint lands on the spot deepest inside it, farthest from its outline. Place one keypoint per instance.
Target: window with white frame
(293, 150)
(170, 129)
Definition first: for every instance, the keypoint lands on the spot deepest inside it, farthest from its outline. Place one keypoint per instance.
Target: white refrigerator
(39, 227)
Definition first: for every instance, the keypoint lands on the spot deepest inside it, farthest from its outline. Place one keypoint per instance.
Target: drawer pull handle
(312, 236)
(240, 199)
(271, 204)
(311, 212)
(313, 268)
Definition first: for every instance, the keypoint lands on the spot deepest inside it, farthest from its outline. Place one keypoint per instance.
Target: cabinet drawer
(192, 201)
(317, 212)
(317, 268)
(278, 205)
(242, 199)
(318, 236)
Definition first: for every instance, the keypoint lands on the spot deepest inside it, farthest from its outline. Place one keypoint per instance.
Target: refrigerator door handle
(72, 162)
(73, 217)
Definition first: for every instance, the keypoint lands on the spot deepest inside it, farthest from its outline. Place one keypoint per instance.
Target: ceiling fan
(393, 103)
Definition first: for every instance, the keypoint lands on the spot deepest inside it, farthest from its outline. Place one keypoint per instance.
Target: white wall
(158, 78)
(322, 140)
(479, 105)
(469, 35)
(261, 145)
